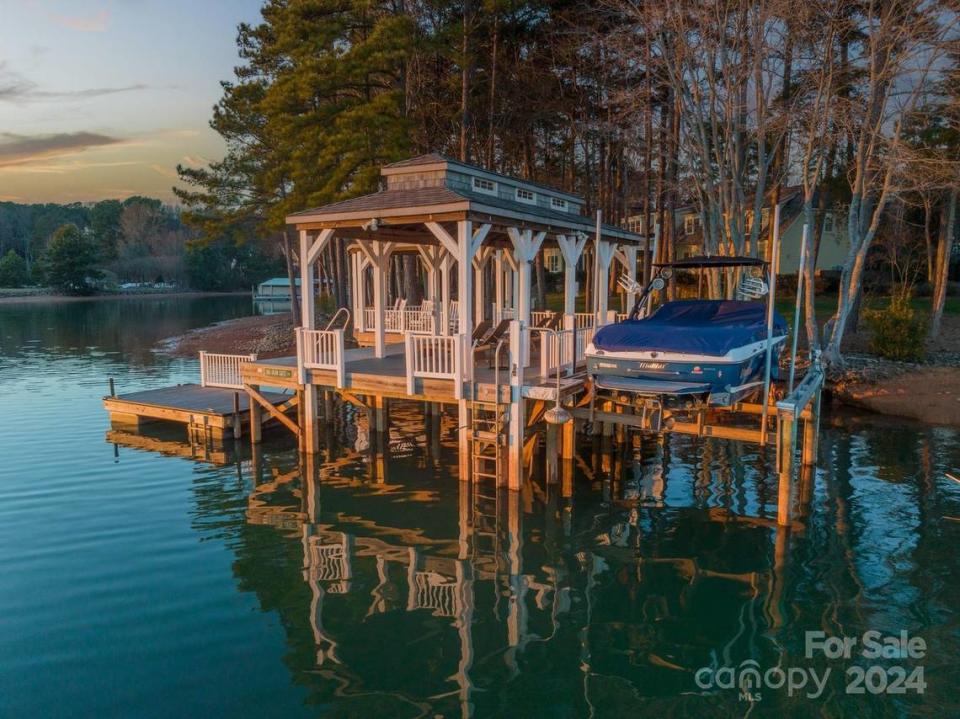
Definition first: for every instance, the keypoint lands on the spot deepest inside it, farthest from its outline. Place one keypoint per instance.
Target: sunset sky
(102, 98)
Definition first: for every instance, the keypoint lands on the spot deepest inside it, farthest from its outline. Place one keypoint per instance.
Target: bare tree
(902, 46)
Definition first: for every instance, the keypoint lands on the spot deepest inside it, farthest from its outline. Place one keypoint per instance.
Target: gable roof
(396, 203)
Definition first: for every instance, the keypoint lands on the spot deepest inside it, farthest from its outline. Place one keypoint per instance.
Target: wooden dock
(215, 411)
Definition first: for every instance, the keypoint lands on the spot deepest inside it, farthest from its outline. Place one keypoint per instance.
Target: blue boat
(690, 352)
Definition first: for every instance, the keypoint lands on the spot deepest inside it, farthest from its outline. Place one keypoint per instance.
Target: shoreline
(40, 299)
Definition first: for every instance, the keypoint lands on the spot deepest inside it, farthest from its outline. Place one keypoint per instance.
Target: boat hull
(719, 381)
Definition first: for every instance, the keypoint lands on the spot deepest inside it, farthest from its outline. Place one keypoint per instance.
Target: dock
(217, 412)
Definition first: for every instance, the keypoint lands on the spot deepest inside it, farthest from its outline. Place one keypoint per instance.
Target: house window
(526, 196)
(488, 187)
(828, 222)
(689, 224)
(553, 262)
(558, 204)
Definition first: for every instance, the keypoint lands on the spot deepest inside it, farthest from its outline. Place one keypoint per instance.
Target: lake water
(142, 582)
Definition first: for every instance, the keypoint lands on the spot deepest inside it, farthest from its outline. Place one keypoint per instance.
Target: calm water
(143, 582)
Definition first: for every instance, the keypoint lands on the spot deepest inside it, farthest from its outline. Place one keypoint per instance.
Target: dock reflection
(429, 593)
(600, 588)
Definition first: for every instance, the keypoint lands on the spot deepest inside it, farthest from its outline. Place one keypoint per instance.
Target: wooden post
(310, 429)
(113, 389)
(236, 416)
(786, 444)
(552, 453)
(811, 433)
(256, 417)
(380, 408)
(517, 414)
(569, 439)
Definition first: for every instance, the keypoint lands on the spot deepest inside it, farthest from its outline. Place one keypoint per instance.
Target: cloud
(14, 87)
(25, 149)
(165, 171)
(89, 23)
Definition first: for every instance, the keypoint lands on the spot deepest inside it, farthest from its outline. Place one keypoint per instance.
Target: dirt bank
(929, 393)
(265, 336)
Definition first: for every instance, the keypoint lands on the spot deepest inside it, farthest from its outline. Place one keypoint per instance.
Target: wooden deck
(218, 412)
(387, 377)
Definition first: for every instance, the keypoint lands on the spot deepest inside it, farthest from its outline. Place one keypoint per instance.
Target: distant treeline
(103, 245)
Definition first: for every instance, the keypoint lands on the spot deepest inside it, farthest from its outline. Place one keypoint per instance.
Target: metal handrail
(334, 319)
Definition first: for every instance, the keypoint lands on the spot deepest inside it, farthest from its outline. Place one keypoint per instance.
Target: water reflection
(406, 593)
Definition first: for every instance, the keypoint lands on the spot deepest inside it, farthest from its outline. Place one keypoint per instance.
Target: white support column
(432, 259)
(605, 252)
(526, 245)
(445, 265)
(571, 248)
(517, 413)
(498, 280)
(310, 249)
(479, 265)
(379, 255)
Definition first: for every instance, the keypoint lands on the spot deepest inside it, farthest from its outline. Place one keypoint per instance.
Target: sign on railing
(220, 370)
(321, 349)
(433, 357)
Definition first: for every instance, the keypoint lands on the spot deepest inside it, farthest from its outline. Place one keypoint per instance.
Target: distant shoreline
(49, 299)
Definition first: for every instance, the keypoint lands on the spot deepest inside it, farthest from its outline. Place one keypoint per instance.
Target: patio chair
(488, 344)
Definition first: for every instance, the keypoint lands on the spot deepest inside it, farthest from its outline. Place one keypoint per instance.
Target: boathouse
(460, 221)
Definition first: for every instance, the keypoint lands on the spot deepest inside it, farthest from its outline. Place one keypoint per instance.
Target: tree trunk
(466, 71)
(944, 251)
(291, 278)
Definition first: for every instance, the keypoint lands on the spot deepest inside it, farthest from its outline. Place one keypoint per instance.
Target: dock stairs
(489, 436)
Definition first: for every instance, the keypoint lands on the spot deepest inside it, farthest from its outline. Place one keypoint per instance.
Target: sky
(103, 98)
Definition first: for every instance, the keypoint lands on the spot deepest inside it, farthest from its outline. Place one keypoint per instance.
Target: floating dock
(217, 412)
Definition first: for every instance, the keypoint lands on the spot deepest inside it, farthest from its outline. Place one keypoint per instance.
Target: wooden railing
(540, 317)
(504, 313)
(321, 349)
(433, 357)
(220, 370)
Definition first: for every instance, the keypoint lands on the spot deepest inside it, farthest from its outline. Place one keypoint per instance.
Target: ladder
(488, 434)
(489, 423)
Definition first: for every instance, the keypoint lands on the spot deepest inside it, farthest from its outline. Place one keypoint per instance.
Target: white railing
(433, 357)
(321, 349)
(453, 319)
(504, 313)
(621, 316)
(219, 370)
(417, 320)
(540, 317)
(565, 349)
(396, 321)
(584, 320)
(435, 592)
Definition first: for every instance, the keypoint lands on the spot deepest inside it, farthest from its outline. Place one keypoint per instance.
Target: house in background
(834, 244)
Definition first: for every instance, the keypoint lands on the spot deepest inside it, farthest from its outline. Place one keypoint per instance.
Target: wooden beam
(445, 238)
(274, 412)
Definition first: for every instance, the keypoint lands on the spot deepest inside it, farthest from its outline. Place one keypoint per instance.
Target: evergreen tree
(69, 262)
(13, 270)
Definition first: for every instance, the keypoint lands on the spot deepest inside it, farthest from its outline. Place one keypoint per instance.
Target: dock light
(557, 415)
(372, 226)
(696, 370)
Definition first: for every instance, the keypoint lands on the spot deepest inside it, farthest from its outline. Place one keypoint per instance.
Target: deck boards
(194, 398)
(209, 408)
